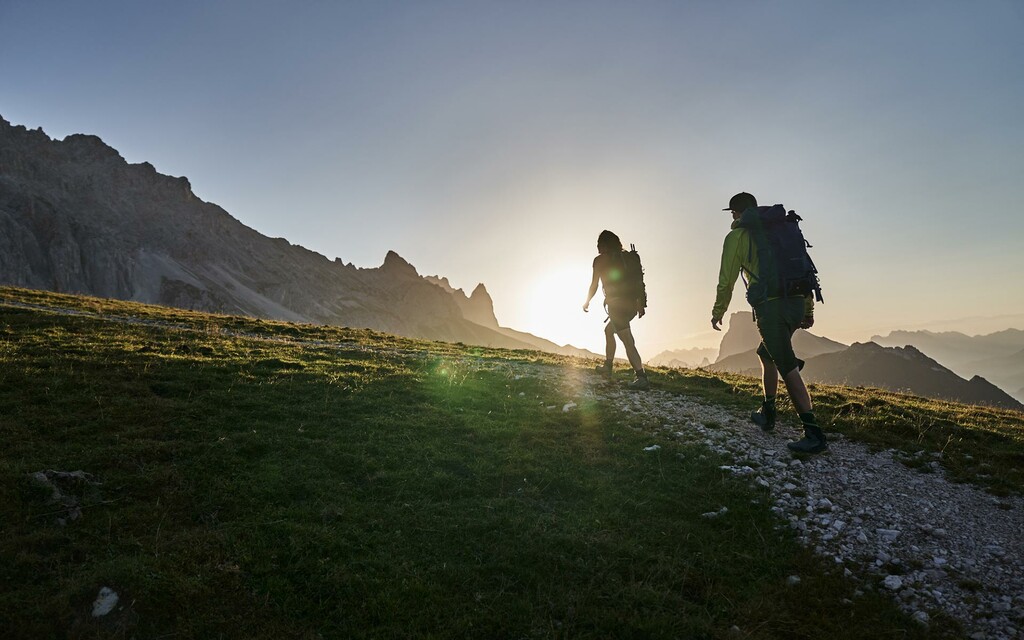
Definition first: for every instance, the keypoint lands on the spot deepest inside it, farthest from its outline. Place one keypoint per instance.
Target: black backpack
(785, 268)
(633, 286)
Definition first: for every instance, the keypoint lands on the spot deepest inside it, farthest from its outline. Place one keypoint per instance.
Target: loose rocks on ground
(934, 545)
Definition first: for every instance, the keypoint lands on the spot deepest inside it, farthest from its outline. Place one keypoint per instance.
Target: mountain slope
(75, 217)
(903, 369)
(232, 477)
(872, 365)
(998, 356)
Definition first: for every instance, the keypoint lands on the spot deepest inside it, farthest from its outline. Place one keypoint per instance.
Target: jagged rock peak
(442, 282)
(90, 149)
(90, 144)
(480, 292)
(866, 346)
(20, 128)
(395, 263)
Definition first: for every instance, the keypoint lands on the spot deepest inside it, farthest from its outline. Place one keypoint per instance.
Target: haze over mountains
(903, 368)
(998, 356)
(75, 217)
(685, 358)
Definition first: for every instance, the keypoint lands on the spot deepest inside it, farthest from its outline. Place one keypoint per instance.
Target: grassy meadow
(255, 479)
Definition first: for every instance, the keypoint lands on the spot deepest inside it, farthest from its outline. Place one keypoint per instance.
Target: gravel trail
(935, 545)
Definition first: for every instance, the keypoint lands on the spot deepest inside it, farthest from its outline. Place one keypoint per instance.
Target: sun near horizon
(553, 304)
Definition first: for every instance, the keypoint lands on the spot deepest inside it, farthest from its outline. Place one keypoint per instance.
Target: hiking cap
(741, 202)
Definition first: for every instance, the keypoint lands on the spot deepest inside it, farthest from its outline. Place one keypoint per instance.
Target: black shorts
(777, 319)
(620, 312)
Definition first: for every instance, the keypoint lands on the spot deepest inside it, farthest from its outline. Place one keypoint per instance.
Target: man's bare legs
(798, 393)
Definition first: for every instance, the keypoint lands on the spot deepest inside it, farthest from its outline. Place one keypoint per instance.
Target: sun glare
(555, 303)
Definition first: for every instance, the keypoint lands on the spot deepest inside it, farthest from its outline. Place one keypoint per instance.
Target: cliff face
(75, 217)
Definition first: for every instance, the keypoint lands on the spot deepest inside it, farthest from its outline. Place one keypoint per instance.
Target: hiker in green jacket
(777, 319)
(608, 270)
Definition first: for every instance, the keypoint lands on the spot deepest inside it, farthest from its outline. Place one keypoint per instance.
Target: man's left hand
(807, 322)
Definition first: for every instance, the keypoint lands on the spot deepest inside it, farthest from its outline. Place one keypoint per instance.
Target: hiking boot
(604, 369)
(812, 442)
(640, 383)
(764, 417)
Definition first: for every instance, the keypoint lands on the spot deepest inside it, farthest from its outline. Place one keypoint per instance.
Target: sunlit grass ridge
(257, 479)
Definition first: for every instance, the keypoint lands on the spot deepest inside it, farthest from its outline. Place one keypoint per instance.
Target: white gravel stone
(104, 603)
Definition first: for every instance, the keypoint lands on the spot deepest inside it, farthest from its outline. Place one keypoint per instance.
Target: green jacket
(739, 254)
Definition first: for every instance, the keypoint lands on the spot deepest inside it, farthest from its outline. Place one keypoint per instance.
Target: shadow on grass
(256, 489)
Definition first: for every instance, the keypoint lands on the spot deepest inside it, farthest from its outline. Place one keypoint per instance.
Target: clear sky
(493, 141)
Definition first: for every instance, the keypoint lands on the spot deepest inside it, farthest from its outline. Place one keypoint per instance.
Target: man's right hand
(715, 322)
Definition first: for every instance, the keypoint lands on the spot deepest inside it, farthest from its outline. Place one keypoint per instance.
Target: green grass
(980, 445)
(269, 480)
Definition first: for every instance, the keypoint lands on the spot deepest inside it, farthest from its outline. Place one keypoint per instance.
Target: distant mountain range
(871, 365)
(998, 356)
(903, 369)
(684, 358)
(75, 217)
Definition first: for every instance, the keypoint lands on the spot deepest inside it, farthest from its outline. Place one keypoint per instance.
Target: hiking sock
(808, 419)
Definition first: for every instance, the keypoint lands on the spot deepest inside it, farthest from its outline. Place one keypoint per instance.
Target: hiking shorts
(777, 319)
(620, 312)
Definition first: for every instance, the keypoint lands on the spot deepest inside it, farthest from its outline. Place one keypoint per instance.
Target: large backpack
(633, 286)
(784, 266)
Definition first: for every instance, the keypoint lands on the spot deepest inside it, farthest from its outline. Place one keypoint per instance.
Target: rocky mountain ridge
(862, 364)
(76, 217)
(998, 356)
(903, 369)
